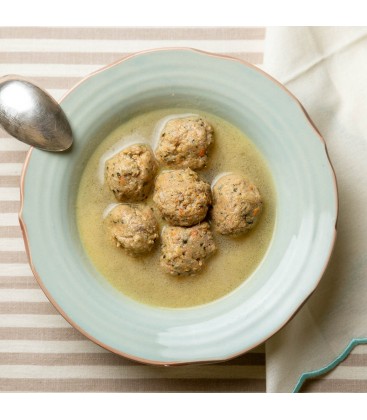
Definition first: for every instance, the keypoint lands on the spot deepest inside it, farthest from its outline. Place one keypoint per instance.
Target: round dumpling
(185, 143)
(182, 197)
(237, 205)
(130, 173)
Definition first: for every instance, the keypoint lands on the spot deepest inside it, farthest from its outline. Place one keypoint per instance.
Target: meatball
(184, 143)
(236, 205)
(182, 197)
(134, 228)
(184, 250)
(130, 173)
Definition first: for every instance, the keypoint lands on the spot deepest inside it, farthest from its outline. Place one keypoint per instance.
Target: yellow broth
(141, 278)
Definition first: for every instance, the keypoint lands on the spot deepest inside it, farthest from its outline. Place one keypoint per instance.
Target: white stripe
(11, 169)
(9, 194)
(9, 144)
(9, 219)
(15, 269)
(57, 93)
(12, 244)
(22, 295)
(48, 70)
(127, 46)
(131, 372)
(28, 346)
(348, 372)
(34, 321)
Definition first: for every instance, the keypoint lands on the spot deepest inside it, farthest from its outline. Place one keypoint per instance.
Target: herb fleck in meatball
(184, 143)
(182, 197)
(134, 228)
(237, 205)
(130, 173)
(185, 250)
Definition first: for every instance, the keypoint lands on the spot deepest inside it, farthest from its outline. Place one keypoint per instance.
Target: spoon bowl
(32, 116)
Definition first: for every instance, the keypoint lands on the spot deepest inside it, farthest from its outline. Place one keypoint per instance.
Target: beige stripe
(10, 232)
(9, 181)
(135, 33)
(13, 156)
(60, 359)
(59, 334)
(13, 257)
(348, 372)
(92, 359)
(133, 385)
(132, 372)
(27, 308)
(355, 360)
(87, 346)
(11, 282)
(334, 385)
(127, 46)
(9, 206)
(101, 58)
(12, 244)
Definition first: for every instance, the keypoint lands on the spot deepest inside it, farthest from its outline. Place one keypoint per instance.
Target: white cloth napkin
(326, 68)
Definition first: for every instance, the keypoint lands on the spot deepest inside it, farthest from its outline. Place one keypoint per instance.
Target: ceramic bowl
(306, 208)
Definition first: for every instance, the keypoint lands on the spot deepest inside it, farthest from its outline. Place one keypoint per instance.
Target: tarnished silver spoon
(32, 116)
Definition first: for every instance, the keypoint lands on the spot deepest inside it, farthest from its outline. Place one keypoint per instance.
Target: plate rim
(179, 363)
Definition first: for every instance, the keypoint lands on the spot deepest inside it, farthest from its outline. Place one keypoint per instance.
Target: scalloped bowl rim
(160, 360)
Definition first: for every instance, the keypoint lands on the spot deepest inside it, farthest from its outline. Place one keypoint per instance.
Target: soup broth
(141, 278)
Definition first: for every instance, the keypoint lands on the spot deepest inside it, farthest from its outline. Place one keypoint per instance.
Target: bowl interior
(306, 208)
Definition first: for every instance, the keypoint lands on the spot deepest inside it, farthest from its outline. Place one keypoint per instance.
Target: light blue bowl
(306, 208)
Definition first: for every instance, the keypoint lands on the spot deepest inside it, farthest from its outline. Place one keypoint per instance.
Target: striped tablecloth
(39, 350)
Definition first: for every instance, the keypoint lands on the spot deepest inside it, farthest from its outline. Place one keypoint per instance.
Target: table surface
(39, 350)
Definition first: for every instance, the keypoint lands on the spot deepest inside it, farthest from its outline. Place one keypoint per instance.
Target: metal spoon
(32, 116)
